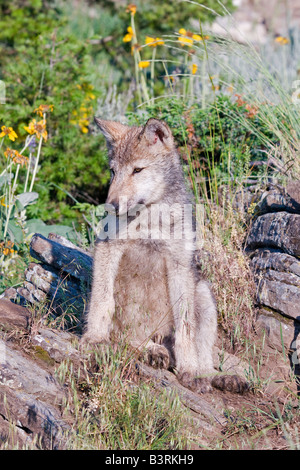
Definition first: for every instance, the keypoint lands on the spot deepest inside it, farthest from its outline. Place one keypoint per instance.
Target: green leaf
(6, 178)
(27, 198)
(15, 232)
(38, 226)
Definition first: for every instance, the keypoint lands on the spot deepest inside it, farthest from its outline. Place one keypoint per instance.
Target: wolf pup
(147, 284)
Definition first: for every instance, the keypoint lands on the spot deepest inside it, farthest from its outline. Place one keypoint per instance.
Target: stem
(36, 164)
(37, 159)
(144, 87)
(136, 59)
(15, 180)
(10, 203)
(152, 71)
(191, 89)
(28, 171)
(185, 79)
(168, 76)
(203, 78)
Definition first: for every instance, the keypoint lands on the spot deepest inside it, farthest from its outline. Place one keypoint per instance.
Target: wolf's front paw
(157, 356)
(90, 338)
(196, 384)
(230, 383)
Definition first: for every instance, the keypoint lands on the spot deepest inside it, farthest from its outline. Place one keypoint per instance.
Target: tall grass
(201, 66)
(114, 409)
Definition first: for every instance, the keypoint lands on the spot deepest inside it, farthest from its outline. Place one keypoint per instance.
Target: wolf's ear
(158, 132)
(112, 130)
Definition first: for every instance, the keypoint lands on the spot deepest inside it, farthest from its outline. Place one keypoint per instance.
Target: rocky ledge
(273, 245)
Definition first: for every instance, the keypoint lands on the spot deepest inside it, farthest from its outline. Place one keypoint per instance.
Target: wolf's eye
(137, 170)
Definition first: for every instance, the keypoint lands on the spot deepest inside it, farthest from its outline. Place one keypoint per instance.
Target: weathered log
(62, 279)
(65, 259)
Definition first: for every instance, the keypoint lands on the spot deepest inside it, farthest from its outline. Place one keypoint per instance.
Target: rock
(293, 190)
(264, 259)
(58, 344)
(13, 315)
(278, 281)
(164, 379)
(37, 420)
(31, 398)
(22, 374)
(279, 335)
(273, 245)
(276, 230)
(278, 200)
(229, 363)
(276, 290)
(13, 436)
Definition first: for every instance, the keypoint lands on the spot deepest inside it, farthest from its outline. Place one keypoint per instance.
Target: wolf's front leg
(107, 258)
(181, 292)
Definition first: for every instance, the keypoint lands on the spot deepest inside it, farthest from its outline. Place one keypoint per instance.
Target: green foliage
(42, 65)
(166, 17)
(221, 137)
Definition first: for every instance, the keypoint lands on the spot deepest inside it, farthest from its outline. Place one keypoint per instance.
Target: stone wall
(273, 244)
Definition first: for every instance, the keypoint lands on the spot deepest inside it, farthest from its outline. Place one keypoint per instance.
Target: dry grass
(228, 270)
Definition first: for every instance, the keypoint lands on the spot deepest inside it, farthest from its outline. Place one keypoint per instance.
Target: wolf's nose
(114, 204)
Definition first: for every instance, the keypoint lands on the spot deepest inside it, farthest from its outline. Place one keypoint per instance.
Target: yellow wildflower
(282, 40)
(131, 8)
(153, 42)
(8, 131)
(16, 157)
(44, 108)
(38, 128)
(196, 37)
(194, 68)
(130, 34)
(159, 41)
(90, 96)
(143, 64)
(185, 38)
(185, 41)
(149, 40)
(7, 248)
(251, 208)
(83, 123)
(2, 202)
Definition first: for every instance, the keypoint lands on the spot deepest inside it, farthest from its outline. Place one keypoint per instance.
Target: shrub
(216, 138)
